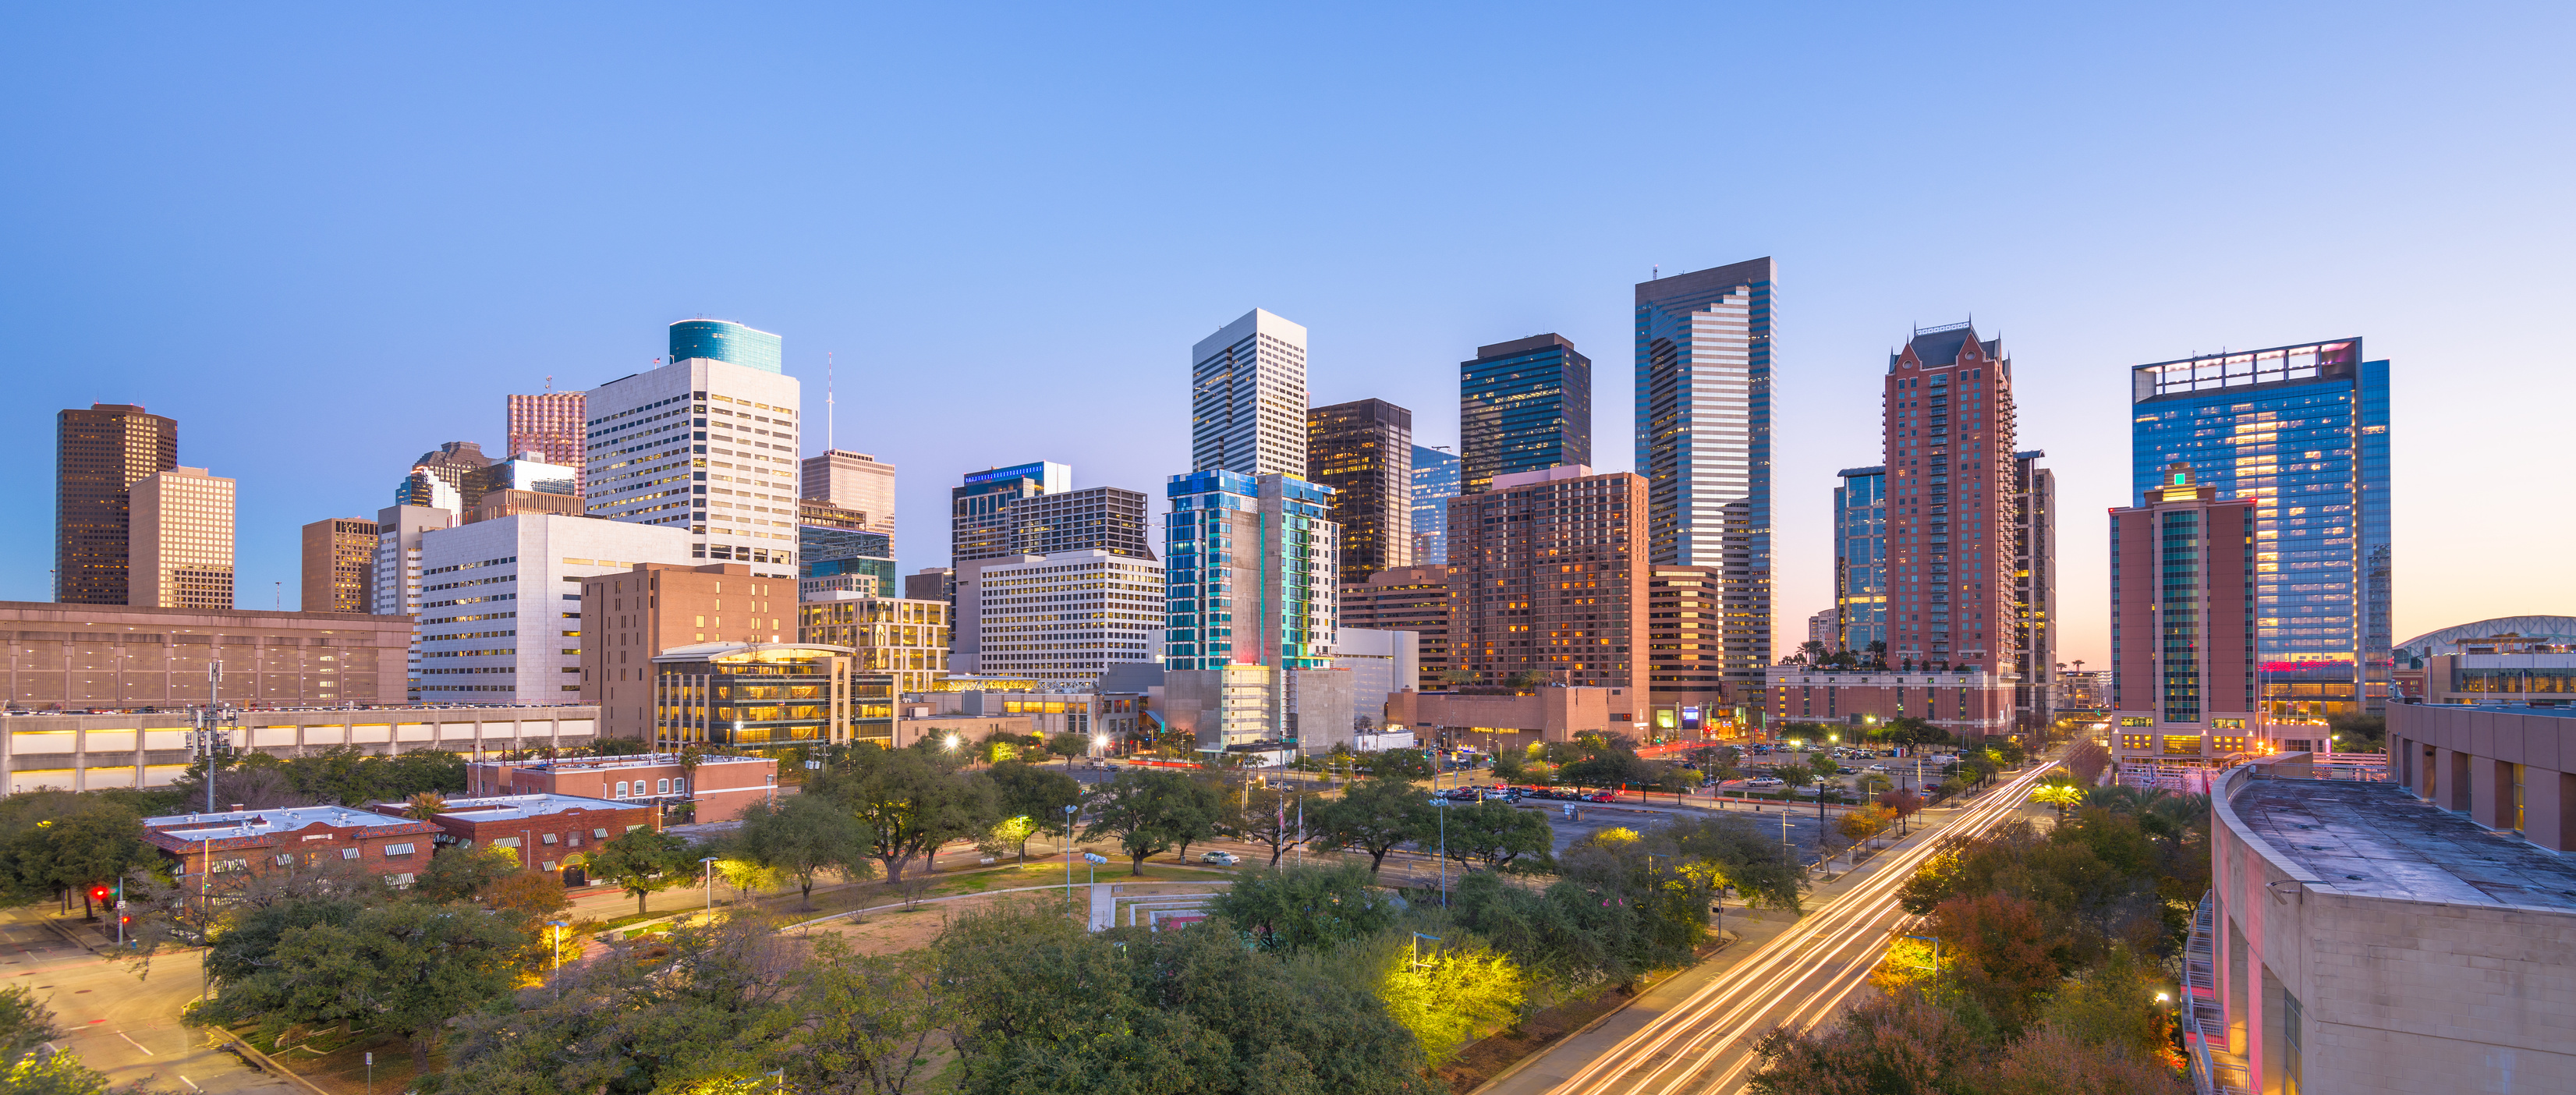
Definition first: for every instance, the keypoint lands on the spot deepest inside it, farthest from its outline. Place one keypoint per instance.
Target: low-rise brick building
(246, 843)
(547, 831)
(1965, 703)
(1494, 722)
(719, 788)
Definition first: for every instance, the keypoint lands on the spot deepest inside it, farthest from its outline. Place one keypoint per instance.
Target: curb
(264, 1060)
(1597, 1020)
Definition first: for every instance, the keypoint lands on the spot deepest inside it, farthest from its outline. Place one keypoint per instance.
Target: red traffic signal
(98, 893)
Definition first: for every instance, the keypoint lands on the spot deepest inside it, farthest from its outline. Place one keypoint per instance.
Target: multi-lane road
(121, 1024)
(1702, 1043)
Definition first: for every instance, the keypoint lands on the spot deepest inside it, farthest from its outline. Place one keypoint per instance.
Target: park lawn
(338, 1064)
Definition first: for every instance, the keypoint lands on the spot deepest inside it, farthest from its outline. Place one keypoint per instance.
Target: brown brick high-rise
(1952, 513)
(99, 455)
(1549, 574)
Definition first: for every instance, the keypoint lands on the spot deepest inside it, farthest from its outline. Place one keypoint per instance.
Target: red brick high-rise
(553, 424)
(1951, 509)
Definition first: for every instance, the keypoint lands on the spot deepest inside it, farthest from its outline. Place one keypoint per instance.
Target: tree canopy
(911, 801)
(802, 836)
(1375, 816)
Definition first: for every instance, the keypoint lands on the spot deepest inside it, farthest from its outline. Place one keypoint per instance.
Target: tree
(1375, 816)
(1901, 802)
(1151, 812)
(1306, 908)
(89, 842)
(1400, 764)
(2060, 795)
(1720, 851)
(643, 862)
(407, 967)
(459, 873)
(536, 895)
(424, 806)
(1449, 996)
(910, 803)
(1011, 834)
(2003, 950)
(1040, 795)
(867, 1021)
(804, 835)
(1795, 775)
(1069, 745)
(1268, 816)
(1497, 835)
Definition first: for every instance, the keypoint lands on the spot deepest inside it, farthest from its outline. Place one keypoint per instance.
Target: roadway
(1694, 1034)
(120, 1023)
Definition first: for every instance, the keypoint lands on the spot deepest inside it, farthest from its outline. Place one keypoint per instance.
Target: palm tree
(424, 806)
(2060, 795)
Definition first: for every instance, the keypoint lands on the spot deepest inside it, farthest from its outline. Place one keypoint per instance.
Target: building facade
(979, 510)
(179, 552)
(2302, 432)
(932, 584)
(1435, 482)
(2035, 589)
(2184, 672)
(853, 481)
(1011, 514)
(1951, 510)
(1860, 562)
(2359, 940)
(501, 611)
(1250, 594)
(99, 454)
(338, 561)
(1381, 664)
(703, 444)
(1969, 704)
(1523, 405)
(1067, 617)
(90, 752)
(546, 832)
(1415, 599)
(445, 478)
(395, 587)
(217, 852)
(1248, 398)
(1686, 681)
(836, 555)
(729, 342)
(716, 786)
(1549, 582)
(1705, 352)
(127, 657)
(633, 616)
(552, 425)
(1364, 451)
(767, 697)
(905, 639)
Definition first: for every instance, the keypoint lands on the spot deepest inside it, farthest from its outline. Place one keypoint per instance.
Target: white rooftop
(237, 824)
(512, 807)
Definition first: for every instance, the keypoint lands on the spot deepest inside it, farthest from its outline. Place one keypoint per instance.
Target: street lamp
(558, 926)
(710, 861)
(1068, 852)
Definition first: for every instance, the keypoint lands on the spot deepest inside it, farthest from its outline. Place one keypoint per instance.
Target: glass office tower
(723, 340)
(1523, 405)
(1435, 482)
(2302, 431)
(1364, 451)
(1705, 350)
(1860, 562)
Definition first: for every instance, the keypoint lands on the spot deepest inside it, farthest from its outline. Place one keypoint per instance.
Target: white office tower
(1248, 398)
(702, 445)
(396, 590)
(853, 480)
(179, 550)
(500, 602)
(1067, 617)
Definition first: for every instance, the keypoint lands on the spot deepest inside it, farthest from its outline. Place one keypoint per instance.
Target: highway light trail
(1798, 979)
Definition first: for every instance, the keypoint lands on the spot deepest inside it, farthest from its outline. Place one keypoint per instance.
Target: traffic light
(98, 893)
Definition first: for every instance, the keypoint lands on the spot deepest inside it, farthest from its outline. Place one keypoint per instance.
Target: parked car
(1602, 796)
(1878, 767)
(1498, 795)
(1766, 781)
(1221, 859)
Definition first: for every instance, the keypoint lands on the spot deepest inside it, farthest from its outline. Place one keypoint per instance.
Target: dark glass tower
(1523, 405)
(2302, 431)
(1860, 562)
(99, 455)
(1435, 482)
(1364, 451)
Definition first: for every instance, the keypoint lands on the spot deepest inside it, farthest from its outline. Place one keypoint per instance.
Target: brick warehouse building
(1965, 703)
(244, 843)
(719, 788)
(545, 830)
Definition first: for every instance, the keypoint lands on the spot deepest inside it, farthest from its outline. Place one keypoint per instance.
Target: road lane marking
(192, 1084)
(129, 1040)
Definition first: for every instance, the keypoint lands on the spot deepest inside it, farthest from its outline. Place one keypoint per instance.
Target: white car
(1878, 767)
(1221, 859)
(1766, 781)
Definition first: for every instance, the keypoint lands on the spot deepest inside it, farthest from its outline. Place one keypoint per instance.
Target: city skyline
(562, 281)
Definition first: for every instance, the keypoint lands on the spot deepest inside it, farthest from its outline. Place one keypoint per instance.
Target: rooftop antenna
(1658, 275)
(827, 402)
(550, 382)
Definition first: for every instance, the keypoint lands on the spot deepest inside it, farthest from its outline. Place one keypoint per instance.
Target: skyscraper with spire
(1954, 497)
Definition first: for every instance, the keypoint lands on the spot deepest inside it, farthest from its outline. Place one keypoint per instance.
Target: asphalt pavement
(122, 1021)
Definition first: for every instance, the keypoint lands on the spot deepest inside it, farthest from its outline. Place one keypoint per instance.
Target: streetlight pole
(710, 861)
(556, 954)
(1068, 853)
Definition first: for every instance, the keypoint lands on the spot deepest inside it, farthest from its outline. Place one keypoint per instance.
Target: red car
(1602, 796)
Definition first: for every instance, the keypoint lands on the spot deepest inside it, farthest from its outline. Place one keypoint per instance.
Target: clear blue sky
(327, 239)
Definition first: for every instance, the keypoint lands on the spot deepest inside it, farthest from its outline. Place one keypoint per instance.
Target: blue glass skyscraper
(1523, 405)
(1703, 418)
(724, 340)
(2303, 431)
(1860, 561)
(1435, 482)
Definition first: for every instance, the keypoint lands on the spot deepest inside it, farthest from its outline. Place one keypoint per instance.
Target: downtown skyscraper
(2302, 433)
(1703, 419)
(704, 443)
(1435, 482)
(1523, 405)
(1248, 397)
(99, 455)
(1364, 451)
(1953, 504)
